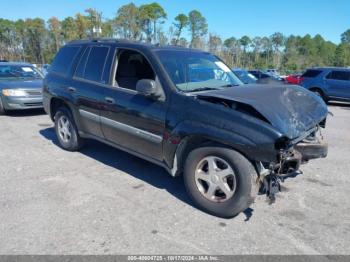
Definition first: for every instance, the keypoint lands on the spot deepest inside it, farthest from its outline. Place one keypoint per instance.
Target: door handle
(110, 100)
(71, 89)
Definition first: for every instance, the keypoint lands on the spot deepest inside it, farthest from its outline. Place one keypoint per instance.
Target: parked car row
(256, 76)
(330, 83)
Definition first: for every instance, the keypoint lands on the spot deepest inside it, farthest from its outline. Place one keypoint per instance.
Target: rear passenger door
(87, 86)
(338, 83)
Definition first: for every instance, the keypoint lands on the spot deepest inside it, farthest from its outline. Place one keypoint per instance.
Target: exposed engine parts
(289, 161)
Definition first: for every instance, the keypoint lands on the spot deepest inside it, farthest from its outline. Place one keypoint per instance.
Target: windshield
(19, 71)
(197, 71)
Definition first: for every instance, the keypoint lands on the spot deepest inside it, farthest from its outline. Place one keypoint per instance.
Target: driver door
(128, 119)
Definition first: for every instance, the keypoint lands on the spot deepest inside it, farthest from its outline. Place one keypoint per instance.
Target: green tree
(342, 55)
(198, 27)
(55, 31)
(257, 46)
(35, 34)
(151, 15)
(6, 37)
(127, 22)
(277, 40)
(345, 37)
(69, 29)
(82, 26)
(245, 42)
(181, 22)
(215, 43)
(107, 29)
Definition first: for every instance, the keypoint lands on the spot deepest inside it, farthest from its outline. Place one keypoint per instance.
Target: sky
(330, 18)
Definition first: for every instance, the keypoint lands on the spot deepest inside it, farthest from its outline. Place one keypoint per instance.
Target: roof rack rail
(101, 39)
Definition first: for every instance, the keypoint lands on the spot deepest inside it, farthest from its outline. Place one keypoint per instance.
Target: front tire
(66, 130)
(220, 181)
(319, 93)
(2, 109)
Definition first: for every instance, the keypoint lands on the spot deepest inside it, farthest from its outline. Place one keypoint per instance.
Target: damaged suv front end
(298, 117)
(212, 115)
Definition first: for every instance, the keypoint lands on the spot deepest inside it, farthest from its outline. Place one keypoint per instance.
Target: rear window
(64, 59)
(95, 63)
(311, 73)
(339, 75)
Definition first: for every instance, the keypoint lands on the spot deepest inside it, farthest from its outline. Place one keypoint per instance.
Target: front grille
(33, 104)
(34, 92)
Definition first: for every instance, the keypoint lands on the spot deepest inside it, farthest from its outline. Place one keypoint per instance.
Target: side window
(95, 63)
(329, 75)
(132, 67)
(339, 75)
(311, 73)
(64, 59)
(79, 72)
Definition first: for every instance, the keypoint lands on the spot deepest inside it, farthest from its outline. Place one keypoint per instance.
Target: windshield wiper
(230, 85)
(203, 89)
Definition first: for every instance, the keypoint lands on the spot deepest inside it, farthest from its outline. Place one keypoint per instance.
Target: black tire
(73, 142)
(319, 93)
(2, 109)
(246, 189)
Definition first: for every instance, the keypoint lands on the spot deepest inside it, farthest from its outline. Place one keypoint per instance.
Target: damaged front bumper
(311, 147)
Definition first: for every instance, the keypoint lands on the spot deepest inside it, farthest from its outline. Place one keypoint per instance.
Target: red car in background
(294, 79)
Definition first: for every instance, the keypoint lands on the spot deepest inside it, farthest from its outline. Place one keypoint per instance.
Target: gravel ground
(104, 201)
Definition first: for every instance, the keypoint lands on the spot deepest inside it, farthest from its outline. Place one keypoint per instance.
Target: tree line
(37, 41)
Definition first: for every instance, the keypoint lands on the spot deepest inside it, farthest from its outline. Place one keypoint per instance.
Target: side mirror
(147, 87)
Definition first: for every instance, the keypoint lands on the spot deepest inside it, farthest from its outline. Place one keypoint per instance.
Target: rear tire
(319, 93)
(234, 181)
(2, 109)
(66, 130)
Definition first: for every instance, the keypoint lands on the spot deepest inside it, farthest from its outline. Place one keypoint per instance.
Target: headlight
(13, 92)
(282, 143)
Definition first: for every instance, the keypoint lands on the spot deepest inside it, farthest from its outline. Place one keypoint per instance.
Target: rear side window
(339, 75)
(95, 63)
(79, 72)
(311, 73)
(64, 59)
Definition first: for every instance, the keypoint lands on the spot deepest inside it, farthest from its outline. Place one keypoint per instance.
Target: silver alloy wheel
(215, 179)
(64, 129)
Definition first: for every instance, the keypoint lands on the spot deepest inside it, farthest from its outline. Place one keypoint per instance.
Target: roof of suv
(132, 44)
(15, 64)
(329, 68)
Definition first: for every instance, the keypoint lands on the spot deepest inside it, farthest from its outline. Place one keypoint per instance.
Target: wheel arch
(192, 142)
(57, 102)
(320, 90)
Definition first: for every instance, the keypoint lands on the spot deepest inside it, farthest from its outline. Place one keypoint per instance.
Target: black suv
(185, 110)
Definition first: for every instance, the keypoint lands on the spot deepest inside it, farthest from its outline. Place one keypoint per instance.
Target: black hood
(292, 110)
(21, 83)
